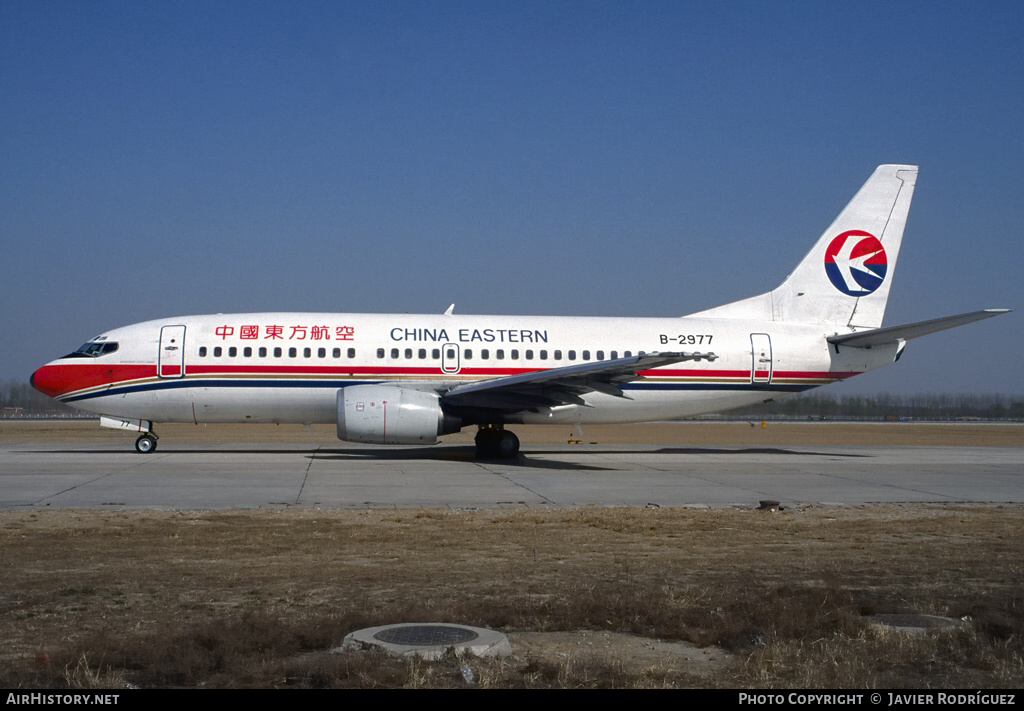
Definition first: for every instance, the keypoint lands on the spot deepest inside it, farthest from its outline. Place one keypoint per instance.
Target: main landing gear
(146, 443)
(493, 442)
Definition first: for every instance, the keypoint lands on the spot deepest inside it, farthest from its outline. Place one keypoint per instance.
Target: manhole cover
(430, 640)
(426, 635)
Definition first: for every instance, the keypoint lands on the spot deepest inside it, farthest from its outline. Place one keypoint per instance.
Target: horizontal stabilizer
(891, 334)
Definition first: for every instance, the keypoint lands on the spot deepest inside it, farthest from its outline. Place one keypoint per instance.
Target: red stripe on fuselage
(312, 370)
(61, 379)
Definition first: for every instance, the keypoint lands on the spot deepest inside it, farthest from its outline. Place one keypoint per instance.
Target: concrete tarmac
(248, 476)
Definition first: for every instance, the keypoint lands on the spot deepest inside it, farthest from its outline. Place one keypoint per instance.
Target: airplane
(412, 378)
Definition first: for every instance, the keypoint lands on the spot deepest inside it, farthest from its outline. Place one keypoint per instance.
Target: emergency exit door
(171, 357)
(760, 358)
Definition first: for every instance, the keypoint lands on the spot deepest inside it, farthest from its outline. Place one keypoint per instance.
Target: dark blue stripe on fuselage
(179, 383)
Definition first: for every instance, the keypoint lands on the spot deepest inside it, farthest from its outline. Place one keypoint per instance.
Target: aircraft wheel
(145, 444)
(507, 445)
(486, 442)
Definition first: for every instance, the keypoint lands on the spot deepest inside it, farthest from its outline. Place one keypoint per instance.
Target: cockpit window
(94, 349)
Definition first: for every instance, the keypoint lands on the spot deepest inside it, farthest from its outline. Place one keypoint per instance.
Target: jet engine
(387, 414)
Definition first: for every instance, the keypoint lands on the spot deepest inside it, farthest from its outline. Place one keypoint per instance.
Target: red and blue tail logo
(855, 262)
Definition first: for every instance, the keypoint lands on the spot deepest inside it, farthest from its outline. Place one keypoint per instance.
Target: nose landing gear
(146, 443)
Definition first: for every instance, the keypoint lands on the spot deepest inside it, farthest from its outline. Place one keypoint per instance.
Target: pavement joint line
(507, 476)
(72, 488)
(125, 470)
(305, 478)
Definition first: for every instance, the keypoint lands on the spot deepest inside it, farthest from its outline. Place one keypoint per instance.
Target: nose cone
(49, 380)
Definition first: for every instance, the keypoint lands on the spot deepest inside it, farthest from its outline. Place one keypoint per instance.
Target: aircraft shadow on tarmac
(455, 454)
(450, 454)
(533, 459)
(468, 454)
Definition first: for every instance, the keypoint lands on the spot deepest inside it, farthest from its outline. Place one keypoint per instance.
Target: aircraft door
(450, 358)
(760, 358)
(171, 357)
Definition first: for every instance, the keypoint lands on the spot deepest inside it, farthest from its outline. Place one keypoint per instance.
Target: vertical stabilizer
(844, 280)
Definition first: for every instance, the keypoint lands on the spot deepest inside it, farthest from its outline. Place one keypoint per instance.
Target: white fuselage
(288, 367)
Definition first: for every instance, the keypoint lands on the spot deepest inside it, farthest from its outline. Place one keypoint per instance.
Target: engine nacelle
(387, 414)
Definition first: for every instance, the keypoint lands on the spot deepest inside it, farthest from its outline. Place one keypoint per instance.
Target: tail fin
(844, 280)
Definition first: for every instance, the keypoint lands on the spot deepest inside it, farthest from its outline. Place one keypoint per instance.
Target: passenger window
(293, 352)
(627, 354)
(435, 354)
(277, 352)
(380, 352)
(572, 355)
(217, 351)
(500, 354)
(529, 354)
(614, 355)
(543, 355)
(263, 351)
(336, 353)
(558, 355)
(485, 354)
(232, 352)
(394, 353)
(586, 355)
(351, 352)
(515, 354)
(423, 353)
(247, 352)
(408, 353)
(202, 351)
(306, 352)
(321, 353)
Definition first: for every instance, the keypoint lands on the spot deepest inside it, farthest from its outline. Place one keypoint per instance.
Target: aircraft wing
(562, 386)
(891, 334)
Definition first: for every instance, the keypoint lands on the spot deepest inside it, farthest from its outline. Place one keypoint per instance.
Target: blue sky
(582, 158)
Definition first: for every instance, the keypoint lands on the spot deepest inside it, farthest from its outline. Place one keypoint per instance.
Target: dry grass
(226, 599)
